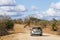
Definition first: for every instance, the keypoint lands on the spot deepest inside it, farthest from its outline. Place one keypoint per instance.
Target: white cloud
(53, 10)
(33, 8)
(50, 12)
(8, 13)
(6, 8)
(11, 13)
(7, 2)
(37, 14)
(5, 5)
(55, 5)
(17, 8)
(20, 8)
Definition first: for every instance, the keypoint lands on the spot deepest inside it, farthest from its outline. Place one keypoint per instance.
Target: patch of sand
(18, 28)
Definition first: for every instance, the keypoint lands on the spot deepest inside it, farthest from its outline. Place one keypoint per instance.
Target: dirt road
(27, 36)
(21, 36)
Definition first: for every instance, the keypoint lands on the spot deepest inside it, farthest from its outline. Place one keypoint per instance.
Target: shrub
(9, 24)
(53, 25)
(3, 30)
(18, 21)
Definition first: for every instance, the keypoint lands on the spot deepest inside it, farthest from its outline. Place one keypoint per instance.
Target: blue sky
(42, 9)
(41, 4)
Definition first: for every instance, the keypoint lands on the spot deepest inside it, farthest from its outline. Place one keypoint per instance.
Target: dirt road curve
(21, 36)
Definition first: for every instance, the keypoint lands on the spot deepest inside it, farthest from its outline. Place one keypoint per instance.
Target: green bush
(9, 24)
(54, 25)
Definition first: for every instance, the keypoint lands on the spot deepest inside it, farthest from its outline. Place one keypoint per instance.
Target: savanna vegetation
(53, 25)
(6, 23)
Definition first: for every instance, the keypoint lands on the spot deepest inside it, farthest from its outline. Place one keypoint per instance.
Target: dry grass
(17, 29)
(7, 37)
(48, 30)
(20, 29)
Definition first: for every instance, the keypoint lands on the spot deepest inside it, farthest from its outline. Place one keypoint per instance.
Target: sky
(41, 9)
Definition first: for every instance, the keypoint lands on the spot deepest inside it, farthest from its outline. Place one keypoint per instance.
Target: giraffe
(28, 23)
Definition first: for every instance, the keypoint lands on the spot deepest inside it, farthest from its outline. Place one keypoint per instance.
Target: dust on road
(21, 36)
(27, 36)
